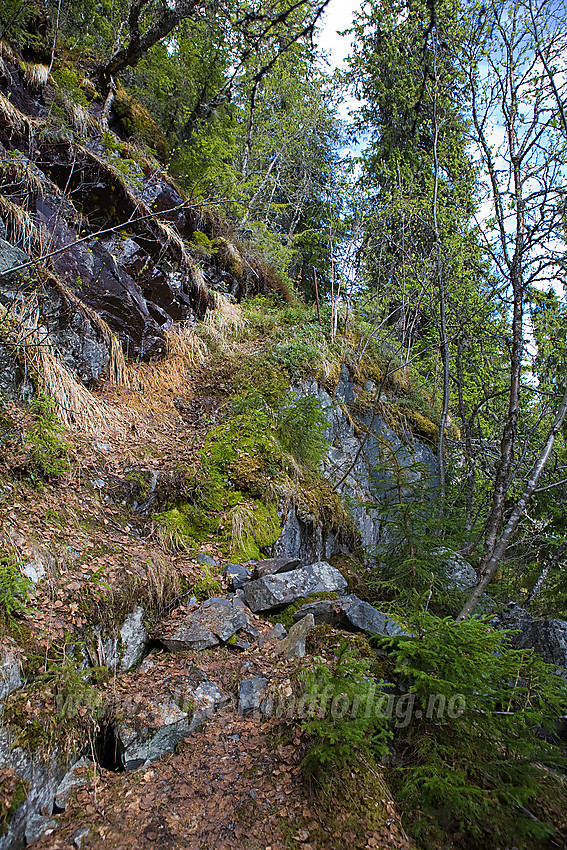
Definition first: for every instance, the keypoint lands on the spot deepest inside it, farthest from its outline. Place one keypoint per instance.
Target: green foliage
(471, 754)
(207, 585)
(337, 696)
(48, 451)
(302, 430)
(14, 590)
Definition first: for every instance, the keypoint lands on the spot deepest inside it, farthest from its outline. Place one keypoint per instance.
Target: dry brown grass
(12, 118)
(22, 174)
(76, 406)
(20, 225)
(36, 75)
(222, 325)
(184, 343)
(6, 52)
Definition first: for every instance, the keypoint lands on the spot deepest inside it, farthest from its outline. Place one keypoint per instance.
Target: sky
(338, 16)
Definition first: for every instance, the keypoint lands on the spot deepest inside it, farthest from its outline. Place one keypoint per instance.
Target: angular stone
(78, 775)
(224, 617)
(278, 632)
(294, 643)
(250, 695)
(171, 723)
(213, 621)
(364, 617)
(190, 636)
(237, 575)
(273, 591)
(323, 611)
(10, 668)
(272, 566)
(125, 651)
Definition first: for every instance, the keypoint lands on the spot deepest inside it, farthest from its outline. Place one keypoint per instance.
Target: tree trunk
(499, 550)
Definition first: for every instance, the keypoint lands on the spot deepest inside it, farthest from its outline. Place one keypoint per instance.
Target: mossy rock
(421, 426)
(135, 122)
(229, 257)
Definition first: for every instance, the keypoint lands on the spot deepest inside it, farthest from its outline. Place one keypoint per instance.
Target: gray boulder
(171, 722)
(350, 612)
(126, 649)
(250, 695)
(237, 575)
(214, 621)
(273, 591)
(459, 572)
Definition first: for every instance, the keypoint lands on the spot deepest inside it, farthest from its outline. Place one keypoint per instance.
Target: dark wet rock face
(547, 637)
(90, 270)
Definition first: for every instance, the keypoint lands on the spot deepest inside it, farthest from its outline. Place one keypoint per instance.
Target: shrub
(470, 753)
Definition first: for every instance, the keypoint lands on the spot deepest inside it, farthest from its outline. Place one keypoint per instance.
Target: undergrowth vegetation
(471, 722)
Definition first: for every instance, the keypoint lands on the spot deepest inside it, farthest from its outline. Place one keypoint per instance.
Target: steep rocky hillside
(201, 486)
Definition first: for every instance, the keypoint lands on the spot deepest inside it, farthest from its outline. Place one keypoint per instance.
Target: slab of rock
(214, 621)
(294, 643)
(237, 575)
(10, 668)
(125, 651)
(350, 612)
(274, 591)
(272, 566)
(191, 635)
(78, 775)
(142, 743)
(250, 695)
